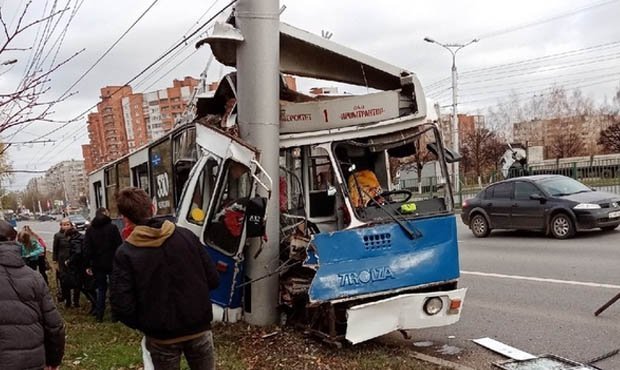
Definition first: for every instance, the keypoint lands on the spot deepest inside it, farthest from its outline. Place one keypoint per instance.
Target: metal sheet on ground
(504, 349)
(544, 362)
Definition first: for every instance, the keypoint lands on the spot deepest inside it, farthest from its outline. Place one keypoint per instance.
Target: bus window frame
(217, 199)
(111, 203)
(167, 170)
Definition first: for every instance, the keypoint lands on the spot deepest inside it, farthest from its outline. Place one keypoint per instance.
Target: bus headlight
(433, 306)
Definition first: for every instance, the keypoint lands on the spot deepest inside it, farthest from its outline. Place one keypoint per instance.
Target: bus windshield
(396, 174)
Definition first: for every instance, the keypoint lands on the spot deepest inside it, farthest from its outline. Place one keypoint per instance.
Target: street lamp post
(453, 49)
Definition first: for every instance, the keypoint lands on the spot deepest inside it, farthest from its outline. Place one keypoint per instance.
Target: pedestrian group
(153, 272)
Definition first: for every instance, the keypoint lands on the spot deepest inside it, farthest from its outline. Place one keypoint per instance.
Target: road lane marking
(542, 280)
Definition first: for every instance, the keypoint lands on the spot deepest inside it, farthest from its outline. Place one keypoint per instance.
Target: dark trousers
(42, 267)
(198, 352)
(101, 284)
(68, 294)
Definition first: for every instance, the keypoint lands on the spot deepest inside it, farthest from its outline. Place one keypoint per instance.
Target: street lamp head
(428, 39)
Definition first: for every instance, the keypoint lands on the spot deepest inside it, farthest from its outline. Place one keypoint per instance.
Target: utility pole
(258, 86)
(453, 49)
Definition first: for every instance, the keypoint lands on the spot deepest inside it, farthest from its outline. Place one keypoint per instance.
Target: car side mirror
(538, 197)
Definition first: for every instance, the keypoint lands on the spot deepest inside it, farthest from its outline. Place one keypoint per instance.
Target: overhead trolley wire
(143, 71)
(545, 20)
(182, 38)
(85, 73)
(179, 44)
(561, 55)
(121, 37)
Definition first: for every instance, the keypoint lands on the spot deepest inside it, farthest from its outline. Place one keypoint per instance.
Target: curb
(440, 361)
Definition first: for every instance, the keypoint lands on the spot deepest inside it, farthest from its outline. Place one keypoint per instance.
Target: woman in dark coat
(60, 254)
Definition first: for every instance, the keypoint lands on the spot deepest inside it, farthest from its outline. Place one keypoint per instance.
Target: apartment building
(546, 133)
(125, 121)
(466, 125)
(66, 181)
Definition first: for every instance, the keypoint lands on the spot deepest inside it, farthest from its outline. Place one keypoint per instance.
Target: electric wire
(109, 49)
(59, 42)
(502, 67)
(143, 71)
(182, 38)
(545, 20)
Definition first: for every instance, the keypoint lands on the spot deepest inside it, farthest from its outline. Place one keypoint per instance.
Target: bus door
(219, 191)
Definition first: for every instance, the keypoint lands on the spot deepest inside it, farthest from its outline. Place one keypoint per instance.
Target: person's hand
(89, 271)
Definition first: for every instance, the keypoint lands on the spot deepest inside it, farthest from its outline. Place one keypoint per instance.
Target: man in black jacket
(101, 240)
(160, 285)
(31, 330)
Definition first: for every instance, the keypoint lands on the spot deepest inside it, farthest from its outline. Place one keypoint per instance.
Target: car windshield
(77, 219)
(560, 186)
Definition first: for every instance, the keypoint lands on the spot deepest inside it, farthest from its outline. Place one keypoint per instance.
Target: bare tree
(29, 101)
(481, 150)
(565, 144)
(610, 138)
(414, 162)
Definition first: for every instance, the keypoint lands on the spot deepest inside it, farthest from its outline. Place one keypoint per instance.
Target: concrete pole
(258, 60)
(455, 126)
(453, 49)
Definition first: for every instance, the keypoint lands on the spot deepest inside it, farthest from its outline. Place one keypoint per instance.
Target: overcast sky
(570, 43)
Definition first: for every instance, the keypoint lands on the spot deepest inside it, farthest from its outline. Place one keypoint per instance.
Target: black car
(79, 222)
(554, 204)
(46, 218)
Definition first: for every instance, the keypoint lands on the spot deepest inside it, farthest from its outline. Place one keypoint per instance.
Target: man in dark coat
(101, 240)
(32, 333)
(76, 267)
(160, 285)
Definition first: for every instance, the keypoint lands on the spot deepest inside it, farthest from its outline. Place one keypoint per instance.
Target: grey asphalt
(537, 316)
(542, 302)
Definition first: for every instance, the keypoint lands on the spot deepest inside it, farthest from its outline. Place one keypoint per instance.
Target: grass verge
(113, 346)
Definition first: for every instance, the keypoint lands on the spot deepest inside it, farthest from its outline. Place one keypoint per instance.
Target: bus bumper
(402, 312)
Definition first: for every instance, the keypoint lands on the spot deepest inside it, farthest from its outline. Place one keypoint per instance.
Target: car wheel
(479, 226)
(609, 228)
(562, 226)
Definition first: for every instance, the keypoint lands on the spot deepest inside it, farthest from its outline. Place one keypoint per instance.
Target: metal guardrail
(602, 175)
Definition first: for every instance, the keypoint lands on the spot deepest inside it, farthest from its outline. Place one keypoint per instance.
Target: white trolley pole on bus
(258, 61)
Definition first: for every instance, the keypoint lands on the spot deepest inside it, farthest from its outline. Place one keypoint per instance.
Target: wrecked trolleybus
(359, 256)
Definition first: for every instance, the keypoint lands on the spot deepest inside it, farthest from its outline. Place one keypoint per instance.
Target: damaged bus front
(367, 256)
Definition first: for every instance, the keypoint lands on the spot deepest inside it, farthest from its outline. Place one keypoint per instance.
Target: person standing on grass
(32, 333)
(60, 253)
(101, 240)
(160, 285)
(31, 249)
(42, 262)
(76, 268)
